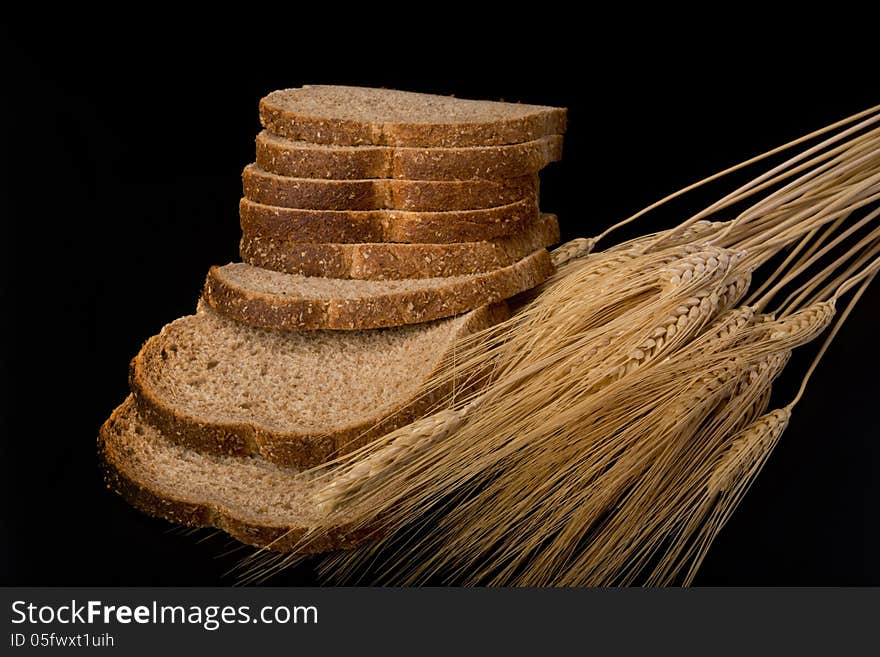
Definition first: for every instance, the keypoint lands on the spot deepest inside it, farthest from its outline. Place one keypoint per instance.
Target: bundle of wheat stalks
(621, 413)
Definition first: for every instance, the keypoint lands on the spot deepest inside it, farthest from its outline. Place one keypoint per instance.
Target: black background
(124, 148)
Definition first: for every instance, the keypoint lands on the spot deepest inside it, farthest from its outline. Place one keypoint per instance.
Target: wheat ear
(731, 477)
(573, 249)
(405, 444)
(796, 329)
(748, 450)
(634, 539)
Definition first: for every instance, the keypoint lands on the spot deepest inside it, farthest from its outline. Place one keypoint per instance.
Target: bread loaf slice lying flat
(255, 501)
(347, 226)
(294, 398)
(325, 114)
(271, 299)
(382, 193)
(395, 261)
(302, 159)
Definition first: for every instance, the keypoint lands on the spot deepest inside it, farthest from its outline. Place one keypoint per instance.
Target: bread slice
(255, 501)
(348, 226)
(294, 398)
(271, 299)
(396, 261)
(301, 159)
(325, 114)
(383, 193)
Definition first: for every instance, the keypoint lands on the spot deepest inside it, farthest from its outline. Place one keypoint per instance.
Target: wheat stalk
(403, 446)
(689, 412)
(634, 538)
(636, 532)
(466, 525)
(613, 390)
(664, 428)
(796, 329)
(733, 472)
(689, 316)
(725, 332)
(743, 456)
(571, 250)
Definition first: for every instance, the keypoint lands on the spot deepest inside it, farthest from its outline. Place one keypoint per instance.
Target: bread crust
(146, 497)
(269, 188)
(280, 115)
(299, 159)
(353, 226)
(395, 260)
(294, 449)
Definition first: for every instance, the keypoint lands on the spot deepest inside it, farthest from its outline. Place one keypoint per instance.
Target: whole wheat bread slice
(302, 159)
(325, 114)
(348, 226)
(396, 261)
(382, 193)
(255, 501)
(271, 299)
(294, 398)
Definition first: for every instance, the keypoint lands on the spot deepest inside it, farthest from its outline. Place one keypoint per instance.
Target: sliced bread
(325, 114)
(295, 398)
(255, 501)
(271, 299)
(302, 159)
(382, 193)
(347, 226)
(394, 261)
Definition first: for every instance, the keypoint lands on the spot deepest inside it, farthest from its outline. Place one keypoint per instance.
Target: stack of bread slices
(378, 227)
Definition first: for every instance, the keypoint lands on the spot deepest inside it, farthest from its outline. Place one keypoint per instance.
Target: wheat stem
(872, 118)
(870, 274)
(797, 296)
